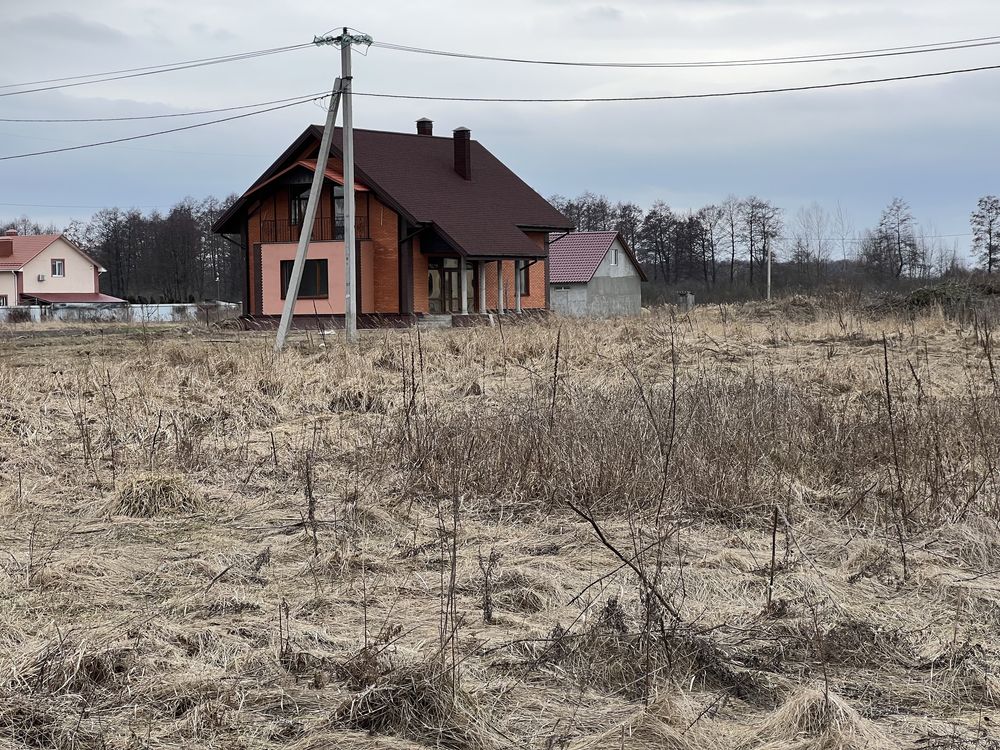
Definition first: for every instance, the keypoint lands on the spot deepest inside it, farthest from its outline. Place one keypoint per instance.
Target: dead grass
(205, 545)
(149, 495)
(812, 719)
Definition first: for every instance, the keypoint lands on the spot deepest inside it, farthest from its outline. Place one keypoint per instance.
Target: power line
(670, 97)
(161, 116)
(148, 71)
(917, 49)
(659, 97)
(159, 132)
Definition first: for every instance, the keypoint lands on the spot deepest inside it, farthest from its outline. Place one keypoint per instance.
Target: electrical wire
(959, 44)
(659, 97)
(148, 71)
(159, 132)
(674, 97)
(161, 116)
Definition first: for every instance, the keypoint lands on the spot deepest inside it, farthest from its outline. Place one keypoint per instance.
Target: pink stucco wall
(271, 257)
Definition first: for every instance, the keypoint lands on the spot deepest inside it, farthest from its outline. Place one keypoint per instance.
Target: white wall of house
(79, 271)
(614, 291)
(8, 287)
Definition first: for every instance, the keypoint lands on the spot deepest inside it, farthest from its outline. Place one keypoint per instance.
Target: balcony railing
(324, 230)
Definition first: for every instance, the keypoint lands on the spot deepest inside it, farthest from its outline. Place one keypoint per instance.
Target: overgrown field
(757, 527)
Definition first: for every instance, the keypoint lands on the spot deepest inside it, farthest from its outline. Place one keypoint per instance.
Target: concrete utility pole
(350, 245)
(769, 253)
(305, 234)
(341, 90)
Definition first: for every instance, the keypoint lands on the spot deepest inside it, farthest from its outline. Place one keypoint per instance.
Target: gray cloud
(67, 26)
(932, 142)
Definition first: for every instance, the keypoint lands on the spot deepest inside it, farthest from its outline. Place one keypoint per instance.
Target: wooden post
(500, 299)
(464, 284)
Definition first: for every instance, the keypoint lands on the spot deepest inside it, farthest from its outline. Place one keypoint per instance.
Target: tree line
(173, 256)
(729, 242)
(170, 256)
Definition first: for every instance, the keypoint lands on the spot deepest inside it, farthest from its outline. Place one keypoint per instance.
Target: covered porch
(457, 285)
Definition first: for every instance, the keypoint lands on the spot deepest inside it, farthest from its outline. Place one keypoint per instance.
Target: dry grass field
(757, 527)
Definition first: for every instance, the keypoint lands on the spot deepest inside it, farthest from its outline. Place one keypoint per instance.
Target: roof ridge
(397, 132)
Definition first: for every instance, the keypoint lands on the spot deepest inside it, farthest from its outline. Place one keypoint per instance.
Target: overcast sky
(932, 142)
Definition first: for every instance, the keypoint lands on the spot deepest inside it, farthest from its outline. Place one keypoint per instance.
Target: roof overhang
(73, 298)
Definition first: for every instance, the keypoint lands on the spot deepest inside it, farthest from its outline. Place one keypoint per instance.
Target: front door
(444, 290)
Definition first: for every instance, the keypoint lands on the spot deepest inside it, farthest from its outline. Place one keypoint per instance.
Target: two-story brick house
(443, 227)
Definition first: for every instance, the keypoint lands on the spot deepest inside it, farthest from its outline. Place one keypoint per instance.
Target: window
(58, 268)
(315, 279)
(300, 199)
(524, 269)
(614, 254)
(3, 300)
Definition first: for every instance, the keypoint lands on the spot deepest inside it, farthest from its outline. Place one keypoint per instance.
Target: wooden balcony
(324, 230)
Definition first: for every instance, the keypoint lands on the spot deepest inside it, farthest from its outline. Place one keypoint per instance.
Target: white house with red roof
(47, 269)
(594, 274)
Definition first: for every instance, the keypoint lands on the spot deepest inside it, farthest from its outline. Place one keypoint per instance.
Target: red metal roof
(55, 297)
(575, 258)
(26, 247)
(310, 164)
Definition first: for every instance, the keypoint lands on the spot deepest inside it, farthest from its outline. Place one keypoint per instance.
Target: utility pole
(305, 234)
(769, 253)
(341, 90)
(350, 244)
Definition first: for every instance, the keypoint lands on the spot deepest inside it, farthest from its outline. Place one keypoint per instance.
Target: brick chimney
(425, 126)
(6, 247)
(463, 152)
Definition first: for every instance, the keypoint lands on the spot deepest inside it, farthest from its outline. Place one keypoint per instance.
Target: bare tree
(730, 219)
(656, 239)
(843, 229)
(897, 228)
(986, 231)
(711, 220)
(811, 241)
(628, 222)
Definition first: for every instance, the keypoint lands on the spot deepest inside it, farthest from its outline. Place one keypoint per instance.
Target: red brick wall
(420, 303)
(383, 226)
(534, 300)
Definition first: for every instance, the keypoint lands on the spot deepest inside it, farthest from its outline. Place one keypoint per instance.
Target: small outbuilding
(594, 274)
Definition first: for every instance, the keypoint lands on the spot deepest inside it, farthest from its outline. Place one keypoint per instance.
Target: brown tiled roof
(482, 217)
(26, 247)
(574, 258)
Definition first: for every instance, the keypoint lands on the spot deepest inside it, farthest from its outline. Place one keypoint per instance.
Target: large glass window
(315, 279)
